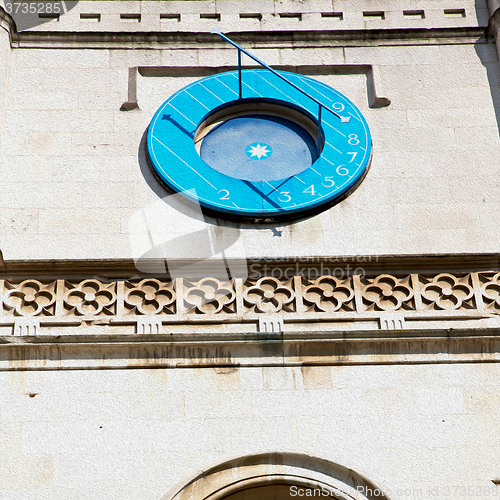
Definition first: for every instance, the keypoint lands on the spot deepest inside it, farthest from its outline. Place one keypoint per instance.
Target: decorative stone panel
(209, 296)
(447, 292)
(328, 294)
(29, 298)
(490, 291)
(269, 296)
(149, 297)
(90, 298)
(387, 293)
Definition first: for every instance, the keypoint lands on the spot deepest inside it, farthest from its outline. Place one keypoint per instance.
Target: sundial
(259, 144)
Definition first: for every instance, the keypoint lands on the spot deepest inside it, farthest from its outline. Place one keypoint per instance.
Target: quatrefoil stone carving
(30, 298)
(387, 293)
(491, 292)
(150, 297)
(210, 296)
(90, 298)
(269, 295)
(447, 292)
(329, 294)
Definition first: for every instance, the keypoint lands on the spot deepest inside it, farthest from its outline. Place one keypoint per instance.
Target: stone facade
(354, 350)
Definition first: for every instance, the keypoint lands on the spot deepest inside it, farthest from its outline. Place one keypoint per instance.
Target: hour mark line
(246, 84)
(334, 148)
(354, 117)
(320, 93)
(215, 95)
(182, 114)
(197, 100)
(187, 164)
(267, 81)
(326, 159)
(334, 128)
(226, 86)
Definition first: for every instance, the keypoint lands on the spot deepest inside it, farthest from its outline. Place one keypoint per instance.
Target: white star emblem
(259, 151)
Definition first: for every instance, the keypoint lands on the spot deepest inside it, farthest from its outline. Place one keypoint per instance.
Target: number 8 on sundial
(259, 145)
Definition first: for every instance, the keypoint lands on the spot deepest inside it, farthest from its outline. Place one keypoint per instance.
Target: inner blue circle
(227, 148)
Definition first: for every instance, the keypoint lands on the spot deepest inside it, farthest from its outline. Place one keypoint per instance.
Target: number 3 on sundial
(260, 145)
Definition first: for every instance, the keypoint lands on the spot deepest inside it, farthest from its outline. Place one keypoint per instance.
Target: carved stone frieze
(386, 300)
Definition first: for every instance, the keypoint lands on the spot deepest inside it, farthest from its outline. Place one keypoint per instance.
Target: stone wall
(132, 434)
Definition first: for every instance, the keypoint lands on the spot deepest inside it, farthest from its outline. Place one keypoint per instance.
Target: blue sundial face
(259, 165)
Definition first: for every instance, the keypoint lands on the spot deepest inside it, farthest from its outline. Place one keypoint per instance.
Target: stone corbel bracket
(26, 326)
(392, 321)
(136, 95)
(133, 98)
(149, 326)
(375, 89)
(271, 324)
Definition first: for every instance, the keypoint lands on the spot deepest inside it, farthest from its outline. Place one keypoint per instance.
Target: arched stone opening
(277, 476)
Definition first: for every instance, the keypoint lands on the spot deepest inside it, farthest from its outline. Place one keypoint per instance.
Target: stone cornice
(169, 351)
(124, 40)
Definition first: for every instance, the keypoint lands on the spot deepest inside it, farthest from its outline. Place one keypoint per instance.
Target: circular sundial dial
(263, 157)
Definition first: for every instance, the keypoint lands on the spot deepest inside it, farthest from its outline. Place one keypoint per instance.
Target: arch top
(221, 480)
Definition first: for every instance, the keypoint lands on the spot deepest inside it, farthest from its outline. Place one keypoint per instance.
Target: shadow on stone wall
(485, 50)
